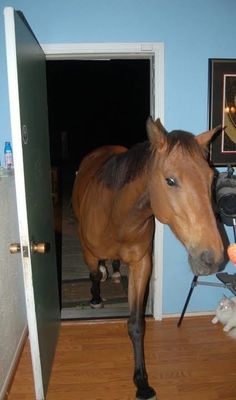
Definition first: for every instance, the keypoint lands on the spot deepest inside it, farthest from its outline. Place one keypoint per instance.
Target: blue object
(8, 155)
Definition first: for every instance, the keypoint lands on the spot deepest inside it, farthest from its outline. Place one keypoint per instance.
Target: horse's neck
(132, 203)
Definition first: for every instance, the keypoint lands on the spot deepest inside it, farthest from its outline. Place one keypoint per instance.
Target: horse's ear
(156, 133)
(204, 138)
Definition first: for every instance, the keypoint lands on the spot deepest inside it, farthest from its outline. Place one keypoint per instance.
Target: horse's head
(180, 185)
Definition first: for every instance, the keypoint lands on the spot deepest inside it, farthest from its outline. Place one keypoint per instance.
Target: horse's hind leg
(138, 279)
(116, 271)
(103, 269)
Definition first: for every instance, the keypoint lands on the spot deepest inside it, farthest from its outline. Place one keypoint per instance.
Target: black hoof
(146, 393)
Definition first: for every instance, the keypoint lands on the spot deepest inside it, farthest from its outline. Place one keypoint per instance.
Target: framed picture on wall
(222, 110)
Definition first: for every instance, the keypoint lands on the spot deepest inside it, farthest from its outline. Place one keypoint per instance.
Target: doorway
(92, 101)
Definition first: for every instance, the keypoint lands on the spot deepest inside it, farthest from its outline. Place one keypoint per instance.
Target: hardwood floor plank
(94, 361)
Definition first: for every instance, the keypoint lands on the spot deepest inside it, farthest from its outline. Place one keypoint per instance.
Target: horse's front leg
(138, 279)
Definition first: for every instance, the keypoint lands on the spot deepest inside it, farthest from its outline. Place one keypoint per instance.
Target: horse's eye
(171, 181)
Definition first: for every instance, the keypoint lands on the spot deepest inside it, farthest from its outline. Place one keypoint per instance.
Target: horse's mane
(122, 168)
(185, 140)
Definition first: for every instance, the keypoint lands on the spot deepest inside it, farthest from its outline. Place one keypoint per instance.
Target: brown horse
(116, 195)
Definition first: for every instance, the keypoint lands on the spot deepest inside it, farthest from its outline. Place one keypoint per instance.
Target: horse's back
(86, 177)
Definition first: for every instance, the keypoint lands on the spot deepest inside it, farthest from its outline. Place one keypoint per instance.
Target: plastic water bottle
(8, 156)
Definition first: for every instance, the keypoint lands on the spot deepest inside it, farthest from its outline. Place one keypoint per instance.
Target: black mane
(123, 168)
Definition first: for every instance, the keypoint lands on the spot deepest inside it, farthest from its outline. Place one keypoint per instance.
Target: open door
(30, 139)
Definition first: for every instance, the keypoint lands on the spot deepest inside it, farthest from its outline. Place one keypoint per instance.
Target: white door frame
(155, 53)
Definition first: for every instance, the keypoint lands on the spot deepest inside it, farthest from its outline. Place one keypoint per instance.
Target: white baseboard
(190, 314)
(13, 366)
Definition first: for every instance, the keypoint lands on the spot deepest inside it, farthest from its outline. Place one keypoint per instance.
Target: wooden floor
(94, 362)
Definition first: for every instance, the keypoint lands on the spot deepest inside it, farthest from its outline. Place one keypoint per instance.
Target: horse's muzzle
(206, 263)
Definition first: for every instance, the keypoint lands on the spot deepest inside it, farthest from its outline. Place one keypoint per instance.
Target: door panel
(29, 122)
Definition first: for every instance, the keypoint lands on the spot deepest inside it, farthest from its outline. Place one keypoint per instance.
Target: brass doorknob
(39, 247)
(14, 248)
(34, 247)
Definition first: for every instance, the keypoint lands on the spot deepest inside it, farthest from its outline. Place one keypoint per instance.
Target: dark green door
(30, 139)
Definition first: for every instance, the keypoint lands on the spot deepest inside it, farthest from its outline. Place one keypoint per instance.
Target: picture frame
(222, 110)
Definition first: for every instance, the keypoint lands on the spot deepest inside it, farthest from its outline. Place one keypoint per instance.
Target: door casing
(154, 51)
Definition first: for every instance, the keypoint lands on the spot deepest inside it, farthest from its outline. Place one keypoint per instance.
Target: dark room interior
(91, 103)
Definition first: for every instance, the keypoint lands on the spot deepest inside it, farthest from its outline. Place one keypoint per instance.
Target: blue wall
(192, 32)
